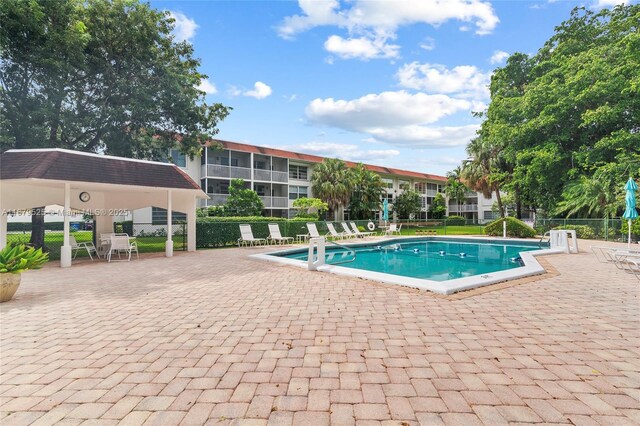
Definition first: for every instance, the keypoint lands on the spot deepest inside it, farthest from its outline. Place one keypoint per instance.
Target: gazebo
(100, 185)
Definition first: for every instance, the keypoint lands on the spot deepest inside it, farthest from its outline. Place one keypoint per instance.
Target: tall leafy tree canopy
(563, 127)
(243, 201)
(367, 190)
(408, 203)
(101, 76)
(332, 182)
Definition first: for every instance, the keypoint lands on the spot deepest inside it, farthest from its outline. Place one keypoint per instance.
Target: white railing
(240, 173)
(280, 202)
(217, 199)
(463, 208)
(266, 201)
(260, 174)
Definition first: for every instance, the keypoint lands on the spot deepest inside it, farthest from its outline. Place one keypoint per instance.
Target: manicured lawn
(53, 241)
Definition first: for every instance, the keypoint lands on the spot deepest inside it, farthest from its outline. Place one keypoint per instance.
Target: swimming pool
(441, 264)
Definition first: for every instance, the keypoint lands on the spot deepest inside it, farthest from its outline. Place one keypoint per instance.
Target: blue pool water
(431, 259)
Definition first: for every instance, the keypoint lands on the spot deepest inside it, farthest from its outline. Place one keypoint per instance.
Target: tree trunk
(499, 200)
(37, 228)
(518, 203)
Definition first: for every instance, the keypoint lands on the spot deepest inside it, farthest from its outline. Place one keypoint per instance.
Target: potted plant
(13, 261)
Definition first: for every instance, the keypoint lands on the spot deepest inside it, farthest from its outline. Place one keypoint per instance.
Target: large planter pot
(9, 284)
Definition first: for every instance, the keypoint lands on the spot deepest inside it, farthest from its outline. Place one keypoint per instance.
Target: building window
(178, 158)
(298, 172)
(489, 215)
(262, 190)
(159, 216)
(260, 165)
(404, 185)
(296, 192)
(389, 198)
(388, 183)
(421, 187)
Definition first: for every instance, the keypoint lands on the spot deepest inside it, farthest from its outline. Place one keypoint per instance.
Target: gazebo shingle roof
(65, 165)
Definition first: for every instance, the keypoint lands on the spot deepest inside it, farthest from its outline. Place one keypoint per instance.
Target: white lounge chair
(333, 233)
(313, 230)
(88, 246)
(393, 229)
(276, 237)
(347, 231)
(121, 244)
(247, 238)
(358, 232)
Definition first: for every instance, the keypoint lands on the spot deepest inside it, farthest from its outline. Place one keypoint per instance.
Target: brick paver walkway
(214, 337)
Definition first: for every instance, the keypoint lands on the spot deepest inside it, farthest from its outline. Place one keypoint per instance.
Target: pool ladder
(347, 249)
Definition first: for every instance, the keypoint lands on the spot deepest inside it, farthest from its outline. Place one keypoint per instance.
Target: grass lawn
(53, 241)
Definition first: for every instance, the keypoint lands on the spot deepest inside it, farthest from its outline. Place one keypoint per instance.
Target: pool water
(435, 260)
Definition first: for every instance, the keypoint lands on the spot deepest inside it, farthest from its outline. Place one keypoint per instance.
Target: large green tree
(332, 182)
(455, 188)
(407, 204)
(101, 76)
(367, 190)
(242, 201)
(567, 118)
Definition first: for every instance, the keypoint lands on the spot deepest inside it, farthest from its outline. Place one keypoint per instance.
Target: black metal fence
(608, 229)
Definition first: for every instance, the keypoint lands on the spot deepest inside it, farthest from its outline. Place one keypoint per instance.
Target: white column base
(65, 256)
(168, 249)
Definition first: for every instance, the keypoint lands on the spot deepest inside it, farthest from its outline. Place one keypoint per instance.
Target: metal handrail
(348, 249)
(545, 235)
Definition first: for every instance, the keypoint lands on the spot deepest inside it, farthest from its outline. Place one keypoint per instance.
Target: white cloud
(387, 16)
(428, 44)
(396, 118)
(600, 4)
(345, 151)
(361, 47)
(207, 87)
(386, 109)
(498, 57)
(465, 81)
(184, 28)
(260, 91)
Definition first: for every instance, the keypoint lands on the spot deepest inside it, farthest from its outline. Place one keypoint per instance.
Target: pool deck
(215, 337)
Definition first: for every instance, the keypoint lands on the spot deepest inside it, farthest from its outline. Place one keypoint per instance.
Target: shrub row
(49, 226)
(225, 231)
(582, 231)
(515, 228)
(455, 221)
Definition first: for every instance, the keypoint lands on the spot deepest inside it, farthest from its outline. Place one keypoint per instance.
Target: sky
(392, 83)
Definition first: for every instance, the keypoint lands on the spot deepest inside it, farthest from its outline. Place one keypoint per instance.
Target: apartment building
(280, 177)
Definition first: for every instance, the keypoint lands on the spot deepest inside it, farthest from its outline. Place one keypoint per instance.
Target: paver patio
(214, 337)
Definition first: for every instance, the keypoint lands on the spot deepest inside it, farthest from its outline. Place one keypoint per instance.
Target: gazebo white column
(191, 225)
(65, 250)
(168, 248)
(3, 230)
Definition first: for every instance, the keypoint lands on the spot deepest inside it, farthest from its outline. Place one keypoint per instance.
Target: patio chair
(121, 244)
(247, 238)
(358, 232)
(333, 233)
(628, 261)
(393, 229)
(275, 236)
(347, 231)
(313, 230)
(88, 246)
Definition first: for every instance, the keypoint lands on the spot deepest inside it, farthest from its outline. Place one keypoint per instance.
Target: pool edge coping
(531, 267)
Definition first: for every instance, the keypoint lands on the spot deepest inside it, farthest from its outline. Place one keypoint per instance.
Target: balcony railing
(280, 202)
(216, 170)
(280, 176)
(217, 199)
(266, 201)
(260, 174)
(463, 208)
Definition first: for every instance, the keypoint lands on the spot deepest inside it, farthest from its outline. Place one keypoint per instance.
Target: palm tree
(331, 181)
(367, 190)
(481, 171)
(454, 188)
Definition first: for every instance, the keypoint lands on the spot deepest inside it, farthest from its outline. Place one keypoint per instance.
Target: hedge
(49, 226)
(455, 221)
(635, 227)
(515, 228)
(225, 231)
(582, 231)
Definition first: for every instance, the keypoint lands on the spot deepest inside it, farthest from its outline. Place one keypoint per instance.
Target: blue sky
(384, 82)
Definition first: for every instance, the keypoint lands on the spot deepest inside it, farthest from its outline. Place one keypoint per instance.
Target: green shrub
(582, 231)
(124, 226)
(515, 228)
(225, 231)
(635, 227)
(455, 221)
(15, 259)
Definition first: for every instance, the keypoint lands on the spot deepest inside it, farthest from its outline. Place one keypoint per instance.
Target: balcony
(216, 170)
(464, 208)
(431, 192)
(275, 202)
(261, 174)
(266, 201)
(217, 199)
(280, 176)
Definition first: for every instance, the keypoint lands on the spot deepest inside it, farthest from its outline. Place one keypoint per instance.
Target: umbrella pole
(629, 237)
